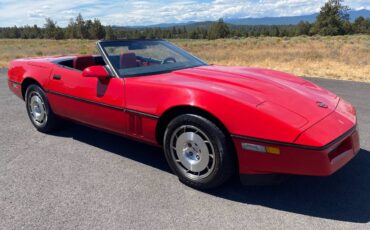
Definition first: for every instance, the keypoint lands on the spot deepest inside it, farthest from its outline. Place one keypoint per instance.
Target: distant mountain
(292, 20)
(188, 25)
(357, 13)
(166, 25)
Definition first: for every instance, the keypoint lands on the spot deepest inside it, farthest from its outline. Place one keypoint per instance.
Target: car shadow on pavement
(131, 149)
(344, 196)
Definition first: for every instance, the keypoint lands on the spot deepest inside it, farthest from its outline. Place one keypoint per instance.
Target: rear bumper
(298, 159)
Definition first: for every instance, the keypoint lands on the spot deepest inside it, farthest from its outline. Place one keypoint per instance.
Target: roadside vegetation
(340, 57)
(332, 47)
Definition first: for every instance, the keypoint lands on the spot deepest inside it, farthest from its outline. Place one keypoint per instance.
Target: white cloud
(143, 12)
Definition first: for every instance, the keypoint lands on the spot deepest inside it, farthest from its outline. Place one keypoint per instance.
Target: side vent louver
(135, 125)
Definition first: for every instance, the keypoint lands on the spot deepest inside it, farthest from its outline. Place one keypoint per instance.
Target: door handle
(57, 77)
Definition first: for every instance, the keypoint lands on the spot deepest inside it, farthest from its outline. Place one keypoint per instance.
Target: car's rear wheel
(39, 111)
(199, 152)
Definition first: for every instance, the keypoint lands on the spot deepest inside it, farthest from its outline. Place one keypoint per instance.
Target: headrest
(128, 60)
(82, 62)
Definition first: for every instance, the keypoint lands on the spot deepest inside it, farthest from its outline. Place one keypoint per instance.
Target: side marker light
(261, 148)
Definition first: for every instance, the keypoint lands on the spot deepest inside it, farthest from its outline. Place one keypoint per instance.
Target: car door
(87, 100)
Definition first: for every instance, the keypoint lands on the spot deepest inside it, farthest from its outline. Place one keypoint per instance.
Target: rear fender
(20, 70)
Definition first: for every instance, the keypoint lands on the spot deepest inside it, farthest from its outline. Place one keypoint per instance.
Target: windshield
(137, 58)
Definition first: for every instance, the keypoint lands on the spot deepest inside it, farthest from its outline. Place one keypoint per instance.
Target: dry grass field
(343, 57)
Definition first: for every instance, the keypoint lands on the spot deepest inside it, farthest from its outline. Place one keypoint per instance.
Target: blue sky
(146, 12)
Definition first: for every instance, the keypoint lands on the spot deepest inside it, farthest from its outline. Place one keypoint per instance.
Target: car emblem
(322, 105)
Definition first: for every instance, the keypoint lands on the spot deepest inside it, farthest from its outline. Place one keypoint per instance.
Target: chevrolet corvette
(212, 121)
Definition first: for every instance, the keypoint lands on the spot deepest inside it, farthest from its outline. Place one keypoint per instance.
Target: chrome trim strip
(141, 113)
(104, 105)
(85, 100)
(106, 59)
(14, 82)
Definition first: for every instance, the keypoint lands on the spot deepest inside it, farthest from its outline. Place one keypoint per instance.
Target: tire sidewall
(218, 141)
(36, 88)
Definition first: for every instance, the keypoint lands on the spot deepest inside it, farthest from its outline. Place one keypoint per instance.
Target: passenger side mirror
(96, 71)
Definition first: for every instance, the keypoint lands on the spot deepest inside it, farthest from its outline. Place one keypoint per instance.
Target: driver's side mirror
(97, 71)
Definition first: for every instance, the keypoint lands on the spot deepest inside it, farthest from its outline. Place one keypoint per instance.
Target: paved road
(83, 178)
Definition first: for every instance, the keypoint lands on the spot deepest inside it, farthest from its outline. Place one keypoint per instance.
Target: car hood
(268, 90)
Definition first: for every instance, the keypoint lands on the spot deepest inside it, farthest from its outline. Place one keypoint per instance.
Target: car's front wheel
(39, 111)
(199, 152)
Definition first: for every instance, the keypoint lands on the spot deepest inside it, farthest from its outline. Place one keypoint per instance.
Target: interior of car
(82, 62)
(122, 61)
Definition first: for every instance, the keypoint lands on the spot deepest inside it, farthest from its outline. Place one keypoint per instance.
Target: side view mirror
(96, 71)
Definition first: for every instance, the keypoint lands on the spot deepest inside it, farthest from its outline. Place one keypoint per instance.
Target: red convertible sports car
(212, 121)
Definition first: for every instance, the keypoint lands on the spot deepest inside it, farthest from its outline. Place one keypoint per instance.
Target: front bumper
(298, 159)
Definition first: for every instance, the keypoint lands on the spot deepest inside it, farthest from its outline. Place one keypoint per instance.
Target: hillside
(292, 20)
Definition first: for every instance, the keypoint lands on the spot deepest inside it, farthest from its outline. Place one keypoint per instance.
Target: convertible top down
(212, 121)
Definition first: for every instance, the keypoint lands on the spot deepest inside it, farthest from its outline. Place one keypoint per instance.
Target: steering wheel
(169, 60)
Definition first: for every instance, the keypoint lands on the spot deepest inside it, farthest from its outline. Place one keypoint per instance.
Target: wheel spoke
(192, 151)
(37, 108)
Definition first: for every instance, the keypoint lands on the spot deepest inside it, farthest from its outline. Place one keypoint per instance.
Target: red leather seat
(128, 60)
(82, 62)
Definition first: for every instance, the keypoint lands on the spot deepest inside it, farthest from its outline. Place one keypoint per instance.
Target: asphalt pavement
(81, 178)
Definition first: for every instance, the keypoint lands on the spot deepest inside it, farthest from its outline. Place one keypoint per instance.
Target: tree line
(332, 20)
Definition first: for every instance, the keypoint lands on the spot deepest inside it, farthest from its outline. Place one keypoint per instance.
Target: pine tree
(97, 31)
(50, 28)
(303, 28)
(109, 33)
(332, 18)
(361, 25)
(71, 30)
(81, 29)
(218, 30)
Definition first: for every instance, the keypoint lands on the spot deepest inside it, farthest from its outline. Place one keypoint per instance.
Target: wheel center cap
(191, 155)
(37, 108)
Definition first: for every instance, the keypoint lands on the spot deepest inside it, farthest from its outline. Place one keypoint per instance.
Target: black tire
(50, 122)
(220, 167)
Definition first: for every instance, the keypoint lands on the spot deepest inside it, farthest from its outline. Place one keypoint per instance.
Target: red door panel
(88, 100)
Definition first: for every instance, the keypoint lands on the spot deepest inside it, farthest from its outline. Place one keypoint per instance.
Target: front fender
(264, 120)
(242, 116)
